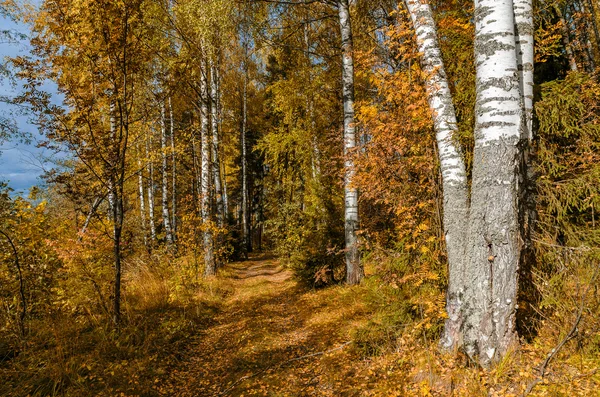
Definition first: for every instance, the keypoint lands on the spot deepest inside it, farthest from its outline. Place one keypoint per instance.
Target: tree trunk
(247, 240)
(196, 180)
(88, 219)
(564, 30)
(209, 259)
(141, 194)
(493, 236)
(117, 231)
(524, 27)
(590, 8)
(165, 176)
(354, 270)
(173, 171)
(150, 167)
(225, 196)
(216, 168)
(454, 179)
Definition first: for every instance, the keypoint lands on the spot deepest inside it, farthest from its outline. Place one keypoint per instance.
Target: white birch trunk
(150, 168)
(493, 236)
(209, 259)
(454, 179)
(225, 195)
(110, 181)
(141, 193)
(89, 217)
(165, 176)
(196, 179)
(216, 168)
(354, 271)
(174, 172)
(525, 55)
(245, 202)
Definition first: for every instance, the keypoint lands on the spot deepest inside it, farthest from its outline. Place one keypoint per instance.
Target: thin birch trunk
(196, 173)
(454, 179)
(165, 176)
(354, 270)
(245, 202)
(173, 172)
(225, 195)
(110, 181)
(150, 168)
(523, 10)
(493, 236)
(215, 166)
(209, 259)
(524, 28)
(141, 194)
(310, 107)
(89, 217)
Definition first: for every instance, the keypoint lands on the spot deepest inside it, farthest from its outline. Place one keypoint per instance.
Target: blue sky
(21, 163)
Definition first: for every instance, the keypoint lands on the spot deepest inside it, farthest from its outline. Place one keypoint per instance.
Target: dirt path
(268, 339)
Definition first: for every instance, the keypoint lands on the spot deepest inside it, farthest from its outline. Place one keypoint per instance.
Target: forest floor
(271, 337)
(256, 331)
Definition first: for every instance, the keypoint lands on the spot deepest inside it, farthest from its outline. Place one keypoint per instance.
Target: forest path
(271, 337)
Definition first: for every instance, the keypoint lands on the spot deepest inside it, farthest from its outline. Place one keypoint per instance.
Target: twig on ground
(279, 365)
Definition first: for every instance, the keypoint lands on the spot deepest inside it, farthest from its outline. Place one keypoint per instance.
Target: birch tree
(354, 271)
(150, 168)
(215, 165)
(209, 258)
(245, 210)
(484, 260)
(493, 247)
(141, 193)
(173, 171)
(454, 179)
(165, 176)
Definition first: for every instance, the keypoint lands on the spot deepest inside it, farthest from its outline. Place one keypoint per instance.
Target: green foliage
(568, 196)
(567, 160)
(309, 239)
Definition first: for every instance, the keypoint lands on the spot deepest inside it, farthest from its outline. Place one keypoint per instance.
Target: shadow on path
(256, 339)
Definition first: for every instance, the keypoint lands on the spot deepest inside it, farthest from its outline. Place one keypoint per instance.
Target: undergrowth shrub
(75, 350)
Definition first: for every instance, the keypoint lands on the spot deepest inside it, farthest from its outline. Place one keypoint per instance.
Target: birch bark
(225, 196)
(354, 270)
(165, 176)
(150, 167)
(141, 194)
(173, 172)
(454, 180)
(216, 169)
(209, 258)
(493, 236)
(90, 215)
(245, 202)
(523, 10)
